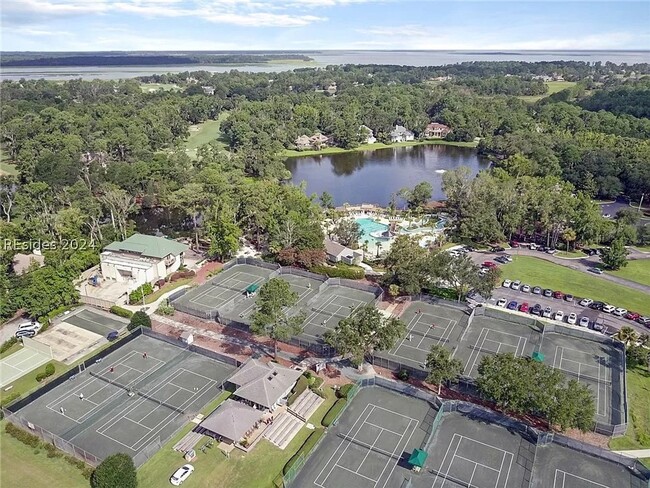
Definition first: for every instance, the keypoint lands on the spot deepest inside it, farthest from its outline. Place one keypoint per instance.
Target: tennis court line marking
(413, 326)
(83, 317)
(564, 475)
(31, 354)
(476, 352)
(91, 379)
(198, 299)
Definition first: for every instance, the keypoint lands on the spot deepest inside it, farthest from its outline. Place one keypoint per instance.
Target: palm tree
(627, 335)
(364, 246)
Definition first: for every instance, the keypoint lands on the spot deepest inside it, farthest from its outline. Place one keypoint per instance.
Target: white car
(502, 302)
(547, 313)
(181, 474)
(584, 322)
(507, 257)
(608, 308)
(620, 312)
(585, 302)
(516, 285)
(28, 329)
(507, 283)
(525, 288)
(559, 315)
(572, 318)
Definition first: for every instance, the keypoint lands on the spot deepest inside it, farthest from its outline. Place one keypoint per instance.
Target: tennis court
(370, 445)
(136, 397)
(98, 322)
(29, 358)
(223, 289)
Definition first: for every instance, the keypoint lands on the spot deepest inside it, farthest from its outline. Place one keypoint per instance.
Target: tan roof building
(263, 384)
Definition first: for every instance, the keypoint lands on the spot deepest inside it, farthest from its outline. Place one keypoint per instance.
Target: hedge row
(446, 293)
(334, 412)
(46, 319)
(121, 312)
(49, 371)
(336, 272)
(22, 435)
(344, 390)
(305, 449)
(136, 295)
(178, 275)
(301, 386)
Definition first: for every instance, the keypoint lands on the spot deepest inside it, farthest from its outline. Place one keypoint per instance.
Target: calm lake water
(371, 176)
(324, 58)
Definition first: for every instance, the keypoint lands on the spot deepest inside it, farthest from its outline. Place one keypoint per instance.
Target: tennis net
(231, 288)
(586, 377)
(449, 481)
(489, 351)
(130, 389)
(368, 446)
(337, 313)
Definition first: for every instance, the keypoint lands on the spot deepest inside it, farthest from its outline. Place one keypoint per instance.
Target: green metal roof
(418, 458)
(538, 356)
(150, 246)
(252, 288)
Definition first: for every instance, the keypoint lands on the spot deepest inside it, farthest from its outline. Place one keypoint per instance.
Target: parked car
(502, 302)
(498, 249)
(620, 312)
(536, 310)
(548, 293)
(644, 321)
(537, 290)
(524, 307)
(584, 322)
(112, 335)
(551, 251)
(483, 271)
(508, 258)
(533, 246)
(514, 244)
(512, 305)
(525, 288)
(559, 315)
(586, 302)
(597, 305)
(33, 326)
(572, 318)
(516, 285)
(181, 474)
(489, 264)
(507, 283)
(598, 326)
(501, 259)
(608, 308)
(568, 297)
(547, 312)
(632, 316)
(595, 270)
(558, 294)
(25, 333)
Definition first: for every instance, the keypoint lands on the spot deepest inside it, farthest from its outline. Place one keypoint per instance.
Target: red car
(558, 294)
(489, 264)
(514, 244)
(632, 315)
(524, 307)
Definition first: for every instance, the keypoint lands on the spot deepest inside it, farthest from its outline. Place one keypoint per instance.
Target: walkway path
(636, 453)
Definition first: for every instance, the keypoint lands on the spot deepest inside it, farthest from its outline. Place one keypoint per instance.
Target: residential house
(331, 89)
(436, 131)
(141, 259)
(22, 262)
(336, 253)
(208, 90)
(366, 135)
(302, 142)
(263, 386)
(318, 140)
(401, 134)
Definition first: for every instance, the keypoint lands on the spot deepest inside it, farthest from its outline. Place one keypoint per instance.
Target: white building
(141, 259)
(336, 252)
(366, 135)
(401, 134)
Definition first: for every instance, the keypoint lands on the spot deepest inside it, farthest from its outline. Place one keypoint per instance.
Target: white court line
(564, 475)
(383, 428)
(476, 350)
(390, 473)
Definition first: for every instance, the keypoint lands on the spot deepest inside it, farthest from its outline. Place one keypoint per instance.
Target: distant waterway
(324, 58)
(371, 176)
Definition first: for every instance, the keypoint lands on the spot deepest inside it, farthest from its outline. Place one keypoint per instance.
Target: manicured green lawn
(542, 273)
(553, 87)
(166, 289)
(637, 270)
(6, 168)
(570, 254)
(16, 347)
(20, 465)
(203, 133)
(256, 469)
(638, 395)
(377, 145)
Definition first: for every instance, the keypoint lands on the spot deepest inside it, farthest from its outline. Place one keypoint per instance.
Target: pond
(371, 176)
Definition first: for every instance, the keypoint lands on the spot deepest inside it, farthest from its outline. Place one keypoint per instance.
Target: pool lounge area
(372, 229)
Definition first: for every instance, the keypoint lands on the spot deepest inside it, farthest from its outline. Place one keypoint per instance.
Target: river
(371, 176)
(324, 58)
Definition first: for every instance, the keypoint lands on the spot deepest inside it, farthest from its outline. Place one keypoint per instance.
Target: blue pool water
(368, 226)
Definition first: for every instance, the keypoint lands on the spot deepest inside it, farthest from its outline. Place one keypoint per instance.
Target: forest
(91, 156)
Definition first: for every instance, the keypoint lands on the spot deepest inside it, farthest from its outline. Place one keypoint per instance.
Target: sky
(106, 25)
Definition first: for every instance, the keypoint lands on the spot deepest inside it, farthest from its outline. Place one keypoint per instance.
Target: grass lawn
(16, 347)
(637, 270)
(257, 469)
(20, 465)
(643, 248)
(378, 145)
(151, 87)
(553, 87)
(570, 254)
(203, 133)
(166, 289)
(6, 168)
(538, 272)
(638, 431)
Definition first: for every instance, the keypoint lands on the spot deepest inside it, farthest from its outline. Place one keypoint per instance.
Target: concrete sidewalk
(637, 453)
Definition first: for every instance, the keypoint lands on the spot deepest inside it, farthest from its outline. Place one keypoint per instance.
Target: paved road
(578, 264)
(9, 329)
(612, 208)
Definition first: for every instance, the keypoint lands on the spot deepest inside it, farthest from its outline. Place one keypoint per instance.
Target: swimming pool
(368, 226)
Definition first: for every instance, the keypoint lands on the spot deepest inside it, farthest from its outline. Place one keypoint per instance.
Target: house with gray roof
(231, 421)
(141, 259)
(336, 252)
(263, 385)
(401, 134)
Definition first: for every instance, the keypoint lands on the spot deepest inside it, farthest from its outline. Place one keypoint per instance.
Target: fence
(301, 272)
(515, 318)
(97, 302)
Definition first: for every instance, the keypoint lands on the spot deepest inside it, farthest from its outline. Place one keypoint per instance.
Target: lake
(324, 58)
(371, 176)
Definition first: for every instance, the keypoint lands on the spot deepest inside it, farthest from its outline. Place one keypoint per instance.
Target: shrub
(121, 312)
(160, 283)
(301, 386)
(403, 374)
(351, 273)
(116, 470)
(334, 412)
(446, 293)
(139, 319)
(344, 390)
(305, 449)
(166, 309)
(318, 382)
(49, 369)
(136, 295)
(52, 451)
(22, 435)
(6, 345)
(40, 377)
(181, 274)
(8, 399)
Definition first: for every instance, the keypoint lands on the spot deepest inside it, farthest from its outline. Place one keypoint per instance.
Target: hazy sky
(90, 25)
